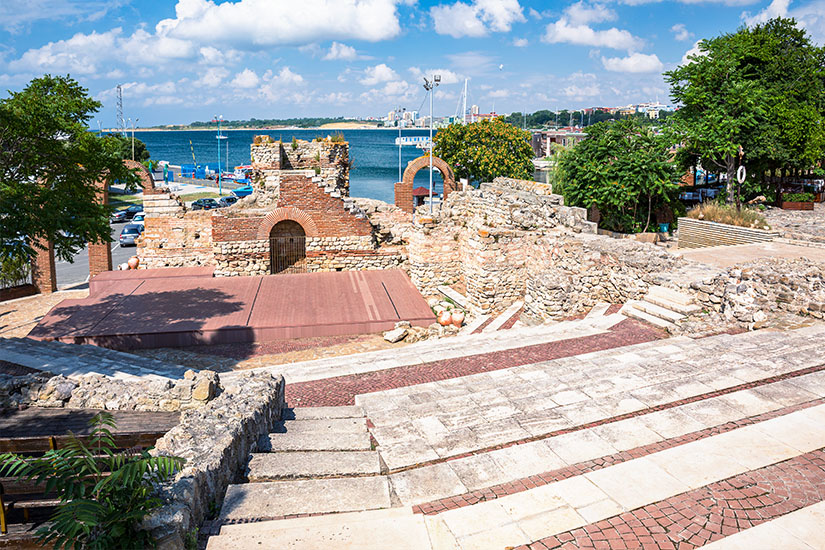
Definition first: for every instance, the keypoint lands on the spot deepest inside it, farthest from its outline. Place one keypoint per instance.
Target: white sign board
(422, 142)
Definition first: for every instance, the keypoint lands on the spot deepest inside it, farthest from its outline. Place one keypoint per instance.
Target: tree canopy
(49, 166)
(484, 150)
(622, 168)
(755, 97)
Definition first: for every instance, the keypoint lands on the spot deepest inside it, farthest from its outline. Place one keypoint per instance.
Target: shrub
(337, 138)
(728, 214)
(14, 271)
(294, 143)
(798, 197)
(104, 494)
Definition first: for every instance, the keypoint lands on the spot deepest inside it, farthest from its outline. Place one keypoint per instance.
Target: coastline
(264, 129)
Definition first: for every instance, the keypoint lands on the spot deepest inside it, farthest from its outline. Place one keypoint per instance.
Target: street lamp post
(430, 85)
(400, 125)
(218, 119)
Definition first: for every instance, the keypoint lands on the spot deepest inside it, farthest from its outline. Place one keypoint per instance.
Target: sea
(373, 153)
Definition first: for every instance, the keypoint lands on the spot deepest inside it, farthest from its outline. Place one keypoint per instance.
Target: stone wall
(173, 237)
(102, 392)
(215, 441)
(494, 267)
(751, 293)
(435, 257)
(527, 186)
(324, 158)
(569, 274)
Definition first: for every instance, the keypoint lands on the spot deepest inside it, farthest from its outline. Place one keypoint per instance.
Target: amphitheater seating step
(312, 464)
(635, 310)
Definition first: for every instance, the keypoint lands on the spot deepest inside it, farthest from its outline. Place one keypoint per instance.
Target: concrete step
(630, 310)
(312, 464)
(473, 325)
(395, 528)
(671, 295)
(319, 413)
(502, 319)
(275, 499)
(455, 296)
(659, 311)
(322, 426)
(673, 306)
(355, 441)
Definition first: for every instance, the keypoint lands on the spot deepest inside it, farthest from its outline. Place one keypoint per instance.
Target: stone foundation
(215, 441)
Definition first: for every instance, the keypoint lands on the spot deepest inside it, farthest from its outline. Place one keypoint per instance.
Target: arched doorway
(404, 188)
(287, 248)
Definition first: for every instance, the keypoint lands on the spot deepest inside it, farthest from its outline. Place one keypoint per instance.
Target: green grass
(202, 195)
(119, 201)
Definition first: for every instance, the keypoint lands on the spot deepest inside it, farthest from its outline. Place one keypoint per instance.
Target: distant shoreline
(268, 129)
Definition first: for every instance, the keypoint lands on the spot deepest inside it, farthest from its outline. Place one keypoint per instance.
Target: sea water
(373, 154)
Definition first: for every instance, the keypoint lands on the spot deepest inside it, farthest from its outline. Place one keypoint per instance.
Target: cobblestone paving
(18, 317)
(342, 390)
(519, 485)
(706, 514)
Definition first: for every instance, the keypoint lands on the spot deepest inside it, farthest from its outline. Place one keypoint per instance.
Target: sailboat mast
(464, 111)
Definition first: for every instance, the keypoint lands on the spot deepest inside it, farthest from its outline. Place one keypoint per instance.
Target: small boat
(244, 191)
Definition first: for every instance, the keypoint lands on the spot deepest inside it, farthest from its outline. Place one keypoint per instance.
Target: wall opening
(287, 248)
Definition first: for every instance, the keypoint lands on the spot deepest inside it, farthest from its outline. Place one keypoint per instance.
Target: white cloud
(499, 93)
(680, 32)
(562, 31)
(633, 63)
(447, 76)
(246, 79)
(284, 77)
(80, 54)
(811, 16)
(249, 23)
(212, 77)
(477, 18)
(341, 51)
(520, 42)
(15, 15)
(580, 86)
(377, 74)
(694, 50)
(584, 14)
(725, 2)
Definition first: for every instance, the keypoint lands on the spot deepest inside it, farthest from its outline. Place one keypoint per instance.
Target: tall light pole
(218, 119)
(430, 85)
(400, 125)
(133, 136)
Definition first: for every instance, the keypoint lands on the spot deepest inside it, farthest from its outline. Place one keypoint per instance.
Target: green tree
(104, 494)
(622, 168)
(141, 152)
(484, 150)
(754, 98)
(49, 165)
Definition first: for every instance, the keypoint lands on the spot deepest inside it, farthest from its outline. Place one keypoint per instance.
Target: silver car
(130, 233)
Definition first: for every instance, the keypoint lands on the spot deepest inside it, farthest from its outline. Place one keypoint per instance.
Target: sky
(192, 60)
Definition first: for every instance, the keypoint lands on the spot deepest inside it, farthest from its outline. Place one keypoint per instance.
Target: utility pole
(430, 85)
(121, 126)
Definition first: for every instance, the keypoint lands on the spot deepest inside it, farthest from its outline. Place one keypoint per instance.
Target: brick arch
(287, 213)
(403, 189)
(143, 173)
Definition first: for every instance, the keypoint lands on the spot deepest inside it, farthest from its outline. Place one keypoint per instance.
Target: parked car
(139, 217)
(228, 200)
(130, 233)
(205, 204)
(126, 214)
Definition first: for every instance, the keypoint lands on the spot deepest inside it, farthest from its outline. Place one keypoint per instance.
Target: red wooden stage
(176, 307)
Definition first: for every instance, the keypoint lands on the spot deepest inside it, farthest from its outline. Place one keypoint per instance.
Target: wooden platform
(163, 308)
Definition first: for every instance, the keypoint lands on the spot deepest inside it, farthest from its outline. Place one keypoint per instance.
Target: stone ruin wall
(173, 236)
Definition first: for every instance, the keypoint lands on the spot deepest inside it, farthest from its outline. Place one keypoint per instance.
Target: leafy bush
(104, 494)
(728, 214)
(14, 271)
(337, 137)
(294, 143)
(798, 197)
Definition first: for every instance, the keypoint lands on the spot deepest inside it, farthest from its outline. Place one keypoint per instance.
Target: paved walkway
(728, 256)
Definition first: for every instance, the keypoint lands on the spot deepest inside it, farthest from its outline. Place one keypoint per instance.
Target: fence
(287, 255)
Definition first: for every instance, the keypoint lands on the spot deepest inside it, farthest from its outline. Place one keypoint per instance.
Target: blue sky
(192, 59)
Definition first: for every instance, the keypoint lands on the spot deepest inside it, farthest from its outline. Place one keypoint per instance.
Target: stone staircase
(349, 203)
(318, 460)
(72, 360)
(662, 307)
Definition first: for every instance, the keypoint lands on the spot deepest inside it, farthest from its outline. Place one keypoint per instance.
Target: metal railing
(287, 255)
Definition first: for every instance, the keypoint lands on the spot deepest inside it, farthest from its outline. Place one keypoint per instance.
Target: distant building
(543, 141)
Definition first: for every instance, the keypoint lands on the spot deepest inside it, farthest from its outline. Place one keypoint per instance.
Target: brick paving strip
(341, 390)
(524, 484)
(705, 514)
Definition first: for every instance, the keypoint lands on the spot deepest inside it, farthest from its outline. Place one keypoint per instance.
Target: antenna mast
(121, 124)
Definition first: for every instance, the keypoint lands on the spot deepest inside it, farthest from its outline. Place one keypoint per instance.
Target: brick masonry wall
(177, 241)
(327, 211)
(43, 274)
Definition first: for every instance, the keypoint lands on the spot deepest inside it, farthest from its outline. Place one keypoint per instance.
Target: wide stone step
(673, 306)
(658, 311)
(312, 464)
(313, 441)
(396, 528)
(275, 499)
(322, 426)
(630, 310)
(670, 295)
(317, 413)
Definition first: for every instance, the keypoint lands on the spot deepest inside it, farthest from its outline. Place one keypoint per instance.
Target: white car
(138, 219)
